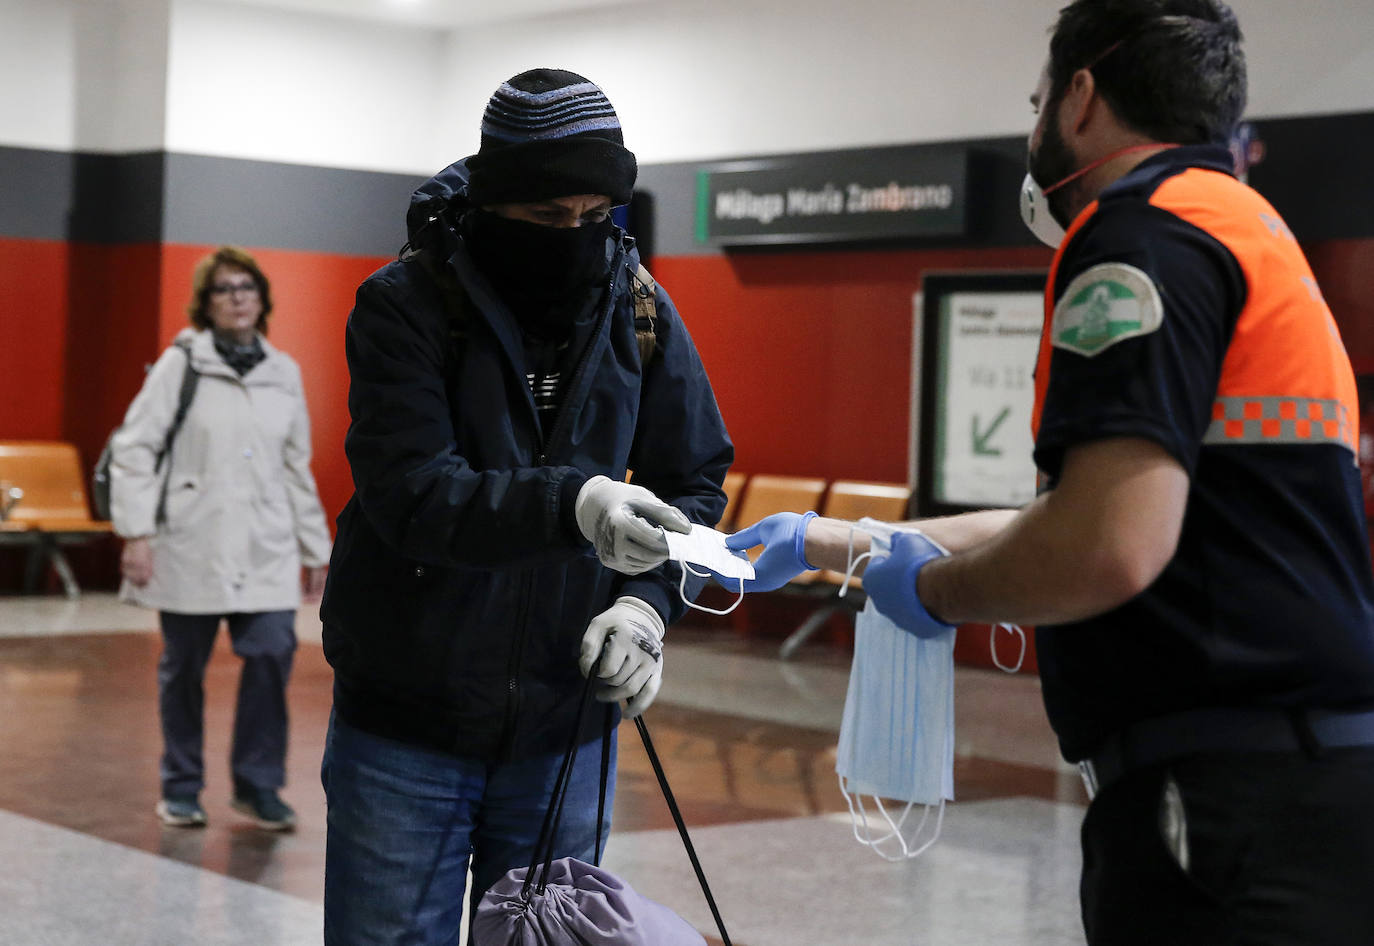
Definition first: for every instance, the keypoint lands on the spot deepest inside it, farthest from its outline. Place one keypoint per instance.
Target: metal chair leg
(64, 571)
(33, 567)
(805, 630)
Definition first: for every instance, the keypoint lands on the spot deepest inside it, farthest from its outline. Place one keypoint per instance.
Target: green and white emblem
(1104, 305)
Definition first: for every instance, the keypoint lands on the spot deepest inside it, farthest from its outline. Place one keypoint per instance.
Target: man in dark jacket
(492, 553)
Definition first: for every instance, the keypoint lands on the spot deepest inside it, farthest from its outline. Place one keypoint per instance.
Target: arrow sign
(980, 440)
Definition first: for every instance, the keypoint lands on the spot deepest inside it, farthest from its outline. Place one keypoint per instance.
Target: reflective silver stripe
(1280, 420)
(1089, 776)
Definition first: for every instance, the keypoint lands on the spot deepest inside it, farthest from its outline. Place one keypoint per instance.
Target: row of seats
(44, 507)
(751, 498)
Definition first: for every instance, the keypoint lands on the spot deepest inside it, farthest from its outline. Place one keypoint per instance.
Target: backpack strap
(642, 287)
(184, 398)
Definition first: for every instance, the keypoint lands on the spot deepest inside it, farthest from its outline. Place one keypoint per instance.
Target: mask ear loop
(851, 563)
(682, 590)
(992, 646)
(858, 813)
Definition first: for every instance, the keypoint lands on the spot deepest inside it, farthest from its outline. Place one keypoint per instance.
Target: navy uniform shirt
(1184, 313)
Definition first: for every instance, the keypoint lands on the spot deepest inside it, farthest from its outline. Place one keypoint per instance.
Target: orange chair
(43, 497)
(734, 486)
(769, 493)
(851, 500)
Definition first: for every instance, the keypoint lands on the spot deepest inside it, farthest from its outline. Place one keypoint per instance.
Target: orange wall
(809, 352)
(79, 322)
(312, 294)
(33, 337)
(1345, 272)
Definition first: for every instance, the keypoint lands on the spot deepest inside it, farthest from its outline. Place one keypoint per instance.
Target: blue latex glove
(783, 537)
(890, 582)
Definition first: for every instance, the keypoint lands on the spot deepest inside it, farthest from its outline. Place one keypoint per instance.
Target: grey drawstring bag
(580, 903)
(568, 902)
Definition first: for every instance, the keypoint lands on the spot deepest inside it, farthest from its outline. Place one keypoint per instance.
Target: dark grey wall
(286, 206)
(35, 193)
(177, 198)
(1315, 171)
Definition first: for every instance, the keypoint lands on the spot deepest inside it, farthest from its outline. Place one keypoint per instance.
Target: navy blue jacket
(460, 585)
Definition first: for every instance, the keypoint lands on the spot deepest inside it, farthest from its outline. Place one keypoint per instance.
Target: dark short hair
(1171, 69)
(201, 281)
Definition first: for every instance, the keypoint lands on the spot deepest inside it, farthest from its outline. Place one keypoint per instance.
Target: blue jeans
(403, 821)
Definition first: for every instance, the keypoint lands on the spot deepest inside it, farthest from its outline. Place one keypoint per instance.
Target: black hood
(443, 195)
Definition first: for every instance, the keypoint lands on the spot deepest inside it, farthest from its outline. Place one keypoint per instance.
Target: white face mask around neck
(1035, 213)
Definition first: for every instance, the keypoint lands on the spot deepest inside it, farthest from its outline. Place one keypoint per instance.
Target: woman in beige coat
(220, 529)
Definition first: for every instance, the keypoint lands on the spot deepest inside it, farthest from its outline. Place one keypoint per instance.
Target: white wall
(121, 74)
(38, 74)
(715, 78)
(692, 79)
(81, 75)
(1308, 57)
(721, 78)
(248, 82)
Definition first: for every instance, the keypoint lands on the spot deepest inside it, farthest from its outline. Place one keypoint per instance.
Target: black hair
(1170, 69)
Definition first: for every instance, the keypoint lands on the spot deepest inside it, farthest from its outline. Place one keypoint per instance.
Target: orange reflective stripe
(1042, 360)
(1285, 338)
(1286, 377)
(1237, 420)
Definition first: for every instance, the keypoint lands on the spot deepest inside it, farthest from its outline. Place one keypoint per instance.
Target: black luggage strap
(681, 826)
(543, 848)
(1224, 730)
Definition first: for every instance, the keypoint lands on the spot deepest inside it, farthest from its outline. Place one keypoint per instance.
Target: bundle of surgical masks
(895, 759)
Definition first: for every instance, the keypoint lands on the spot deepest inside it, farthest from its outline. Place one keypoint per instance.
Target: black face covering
(544, 274)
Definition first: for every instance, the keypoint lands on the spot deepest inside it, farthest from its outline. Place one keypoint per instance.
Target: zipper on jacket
(513, 668)
(575, 380)
(527, 581)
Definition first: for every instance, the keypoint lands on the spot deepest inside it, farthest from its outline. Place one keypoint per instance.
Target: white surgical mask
(1035, 213)
(705, 546)
(682, 591)
(897, 732)
(1035, 204)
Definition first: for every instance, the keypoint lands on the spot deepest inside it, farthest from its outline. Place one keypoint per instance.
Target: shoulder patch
(1104, 305)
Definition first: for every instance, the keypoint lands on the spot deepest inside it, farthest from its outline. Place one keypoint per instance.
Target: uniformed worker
(1197, 566)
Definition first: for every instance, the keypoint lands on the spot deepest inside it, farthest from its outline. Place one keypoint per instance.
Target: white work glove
(631, 666)
(622, 523)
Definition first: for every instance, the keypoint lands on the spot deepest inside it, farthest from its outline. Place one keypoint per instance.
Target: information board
(981, 334)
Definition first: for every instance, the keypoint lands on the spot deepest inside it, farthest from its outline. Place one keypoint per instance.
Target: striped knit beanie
(550, 133)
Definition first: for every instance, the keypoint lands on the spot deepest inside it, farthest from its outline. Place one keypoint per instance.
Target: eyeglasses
(234, 288)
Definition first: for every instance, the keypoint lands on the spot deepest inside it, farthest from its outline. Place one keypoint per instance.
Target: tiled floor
(748, 742)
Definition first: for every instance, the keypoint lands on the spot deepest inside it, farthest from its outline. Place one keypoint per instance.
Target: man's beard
(1051, 163)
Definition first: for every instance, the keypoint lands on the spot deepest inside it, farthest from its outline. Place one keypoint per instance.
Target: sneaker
(181, 811)
(266, 808)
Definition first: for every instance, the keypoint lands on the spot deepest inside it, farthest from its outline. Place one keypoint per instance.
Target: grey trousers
(266, 642)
